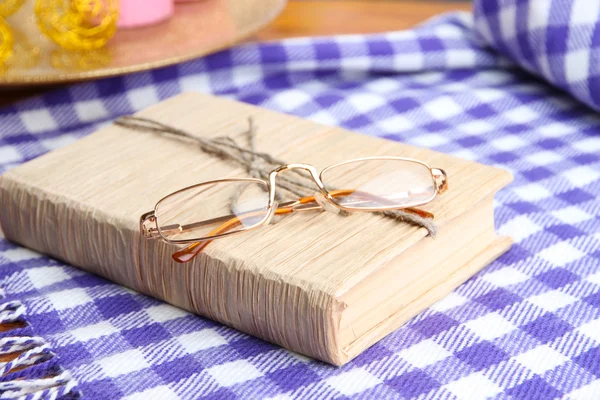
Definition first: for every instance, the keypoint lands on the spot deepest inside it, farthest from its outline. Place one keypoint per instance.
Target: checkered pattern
(556, 39)
(528, 326)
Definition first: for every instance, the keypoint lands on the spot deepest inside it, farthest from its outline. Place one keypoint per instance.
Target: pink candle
(134, 13)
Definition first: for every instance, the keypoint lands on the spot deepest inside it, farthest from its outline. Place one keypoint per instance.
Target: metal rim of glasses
(439, 178)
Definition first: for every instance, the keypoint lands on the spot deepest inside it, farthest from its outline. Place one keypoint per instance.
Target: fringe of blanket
(28, 367)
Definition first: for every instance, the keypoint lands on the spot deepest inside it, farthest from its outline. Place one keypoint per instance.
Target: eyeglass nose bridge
(307, 167)
(285, 167)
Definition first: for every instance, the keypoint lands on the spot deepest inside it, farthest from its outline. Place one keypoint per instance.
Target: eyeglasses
(198, 214)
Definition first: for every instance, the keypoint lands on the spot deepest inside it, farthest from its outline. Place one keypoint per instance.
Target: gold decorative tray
(197, 28)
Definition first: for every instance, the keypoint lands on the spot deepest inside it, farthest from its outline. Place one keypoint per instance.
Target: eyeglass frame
(439, 176)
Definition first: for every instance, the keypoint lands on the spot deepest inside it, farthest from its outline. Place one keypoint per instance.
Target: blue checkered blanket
(528, 326)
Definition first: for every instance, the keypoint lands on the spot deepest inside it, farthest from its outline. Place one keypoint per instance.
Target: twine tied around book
(256, 164)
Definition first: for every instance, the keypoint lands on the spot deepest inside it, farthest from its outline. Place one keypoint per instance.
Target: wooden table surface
(331, 17)
(314, 18)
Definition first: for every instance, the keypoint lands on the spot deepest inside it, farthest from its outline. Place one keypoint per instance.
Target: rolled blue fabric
(558, 40)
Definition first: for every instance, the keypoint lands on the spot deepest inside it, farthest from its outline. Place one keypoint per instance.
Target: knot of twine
(256, 164)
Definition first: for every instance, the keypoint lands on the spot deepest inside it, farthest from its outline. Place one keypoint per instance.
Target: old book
(317, 283)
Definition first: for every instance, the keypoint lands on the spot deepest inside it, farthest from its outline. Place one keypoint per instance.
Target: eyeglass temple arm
(188, 253)
(152, 232)
(303, 204)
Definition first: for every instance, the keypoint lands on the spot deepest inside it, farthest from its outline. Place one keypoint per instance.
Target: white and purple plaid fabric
(527, 327)
(558, 40)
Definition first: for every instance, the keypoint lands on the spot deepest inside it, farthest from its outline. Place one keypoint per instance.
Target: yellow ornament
(25, 55)
(78, 24)
(9, 7)
(6, 41)
(77, 60)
